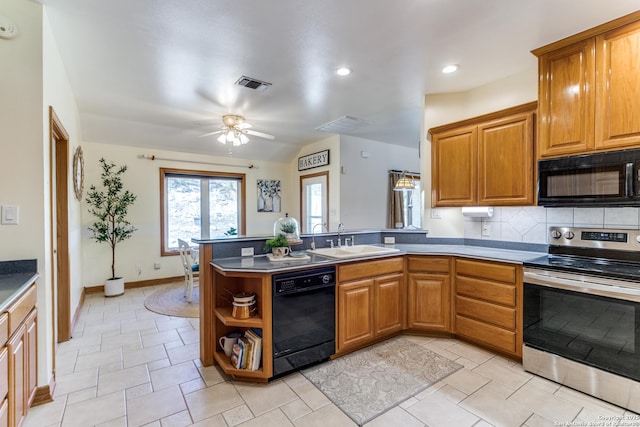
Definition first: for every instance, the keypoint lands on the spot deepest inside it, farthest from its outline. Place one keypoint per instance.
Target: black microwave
(600, 179)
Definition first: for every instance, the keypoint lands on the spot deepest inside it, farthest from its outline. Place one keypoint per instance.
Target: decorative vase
(114, 287)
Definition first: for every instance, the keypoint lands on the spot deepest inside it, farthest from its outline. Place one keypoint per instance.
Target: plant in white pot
(110, 206)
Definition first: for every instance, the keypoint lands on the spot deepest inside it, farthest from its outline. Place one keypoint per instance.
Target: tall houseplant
(110, 206)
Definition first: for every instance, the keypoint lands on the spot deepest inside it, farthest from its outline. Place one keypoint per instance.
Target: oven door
(590, 323)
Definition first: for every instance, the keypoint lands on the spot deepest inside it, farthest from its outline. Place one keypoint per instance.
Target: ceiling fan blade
(259, 134)
(244, 125)
(211, 133)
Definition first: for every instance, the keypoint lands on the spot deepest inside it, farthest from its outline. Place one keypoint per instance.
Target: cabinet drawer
(490, 313)
(361, 270)
(20, 309)
(428, 264)
(491, 335)
(487, 270)
(4, 368)
(488, 291)
(4, 329)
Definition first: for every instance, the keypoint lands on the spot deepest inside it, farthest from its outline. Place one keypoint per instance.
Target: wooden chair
(191, 270)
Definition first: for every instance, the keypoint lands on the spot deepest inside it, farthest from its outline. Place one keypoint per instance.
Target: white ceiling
(159, 73)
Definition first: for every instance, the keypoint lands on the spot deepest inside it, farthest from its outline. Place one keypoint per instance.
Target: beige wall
(24, 160)
(143, 179)
(445, 108)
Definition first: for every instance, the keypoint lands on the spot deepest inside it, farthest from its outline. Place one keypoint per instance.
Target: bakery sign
(314, 160)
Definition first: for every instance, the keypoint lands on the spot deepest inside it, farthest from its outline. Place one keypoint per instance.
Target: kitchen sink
(355, 251)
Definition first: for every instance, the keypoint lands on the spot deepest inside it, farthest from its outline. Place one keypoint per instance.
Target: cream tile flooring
(127, 366)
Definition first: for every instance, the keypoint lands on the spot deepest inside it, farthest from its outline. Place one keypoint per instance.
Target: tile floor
(127, 366)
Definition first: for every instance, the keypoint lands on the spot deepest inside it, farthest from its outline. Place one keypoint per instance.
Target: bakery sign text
(314, 160)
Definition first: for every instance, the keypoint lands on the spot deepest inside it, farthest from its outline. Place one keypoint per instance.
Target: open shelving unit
(225, 284)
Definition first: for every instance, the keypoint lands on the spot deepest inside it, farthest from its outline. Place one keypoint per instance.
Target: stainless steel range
(582, 313)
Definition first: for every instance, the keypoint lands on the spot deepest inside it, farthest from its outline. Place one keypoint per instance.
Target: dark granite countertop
(262, 264)
(15, 278)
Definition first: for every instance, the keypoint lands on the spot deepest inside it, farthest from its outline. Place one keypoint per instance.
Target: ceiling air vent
(344, 125)
(253, 83)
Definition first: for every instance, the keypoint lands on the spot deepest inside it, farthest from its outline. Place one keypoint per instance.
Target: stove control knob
(556, 234)
(569, 235)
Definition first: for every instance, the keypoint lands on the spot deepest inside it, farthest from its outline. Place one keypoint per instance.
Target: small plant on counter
(278, 241)
(288, 228)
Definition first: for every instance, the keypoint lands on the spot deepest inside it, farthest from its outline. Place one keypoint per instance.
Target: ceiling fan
(234, 130)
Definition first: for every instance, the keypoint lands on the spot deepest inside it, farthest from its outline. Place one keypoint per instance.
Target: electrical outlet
(139, 268)
(246, 252)
(156, 265)
(389, 240)
(486, 230)
(436, 214)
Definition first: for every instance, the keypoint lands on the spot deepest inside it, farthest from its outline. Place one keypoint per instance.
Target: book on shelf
(237, 354)
(254, 337)
(247, 350)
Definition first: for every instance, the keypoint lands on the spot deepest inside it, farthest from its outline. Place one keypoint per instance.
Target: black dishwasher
(303, 318)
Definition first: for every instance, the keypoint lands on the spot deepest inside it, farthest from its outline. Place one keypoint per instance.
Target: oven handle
(611, 291)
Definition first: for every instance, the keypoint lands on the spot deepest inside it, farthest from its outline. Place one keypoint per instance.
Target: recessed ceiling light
(450, 69)
(344, 71)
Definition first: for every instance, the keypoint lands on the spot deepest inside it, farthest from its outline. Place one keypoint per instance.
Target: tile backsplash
(529, 224)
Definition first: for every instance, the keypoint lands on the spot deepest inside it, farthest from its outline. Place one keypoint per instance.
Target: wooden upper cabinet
(505, 161)
(565, 100)
(618, 88)
(454, 168)
(589, 90)
(487, 160)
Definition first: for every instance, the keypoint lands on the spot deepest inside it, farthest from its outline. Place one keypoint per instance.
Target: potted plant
(279, 245)
(288, 228)
(110, 207)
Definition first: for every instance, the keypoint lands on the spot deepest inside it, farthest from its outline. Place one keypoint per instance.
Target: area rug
(369, 382)
(170, 301)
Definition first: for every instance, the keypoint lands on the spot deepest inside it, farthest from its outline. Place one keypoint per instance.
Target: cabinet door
(505, 161)
(389, 300)
(618, 88)
(355, 307)
(17, 369)
(566, 100)
(454, 167)
(31, 356)
(429, 302)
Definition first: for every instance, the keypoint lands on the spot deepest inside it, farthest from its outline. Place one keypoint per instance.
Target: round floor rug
(170, 301)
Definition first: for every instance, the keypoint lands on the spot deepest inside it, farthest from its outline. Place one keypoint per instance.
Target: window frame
(302, 199)
(190, 173)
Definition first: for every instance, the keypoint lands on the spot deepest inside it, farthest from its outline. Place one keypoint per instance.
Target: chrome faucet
(340, 230)
(313, 234)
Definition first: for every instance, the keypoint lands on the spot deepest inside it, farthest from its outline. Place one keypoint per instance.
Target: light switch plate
(10, 215)
(436, 214)
(389, 240)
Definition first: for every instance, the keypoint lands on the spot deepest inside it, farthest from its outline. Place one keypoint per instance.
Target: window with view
(200, 204)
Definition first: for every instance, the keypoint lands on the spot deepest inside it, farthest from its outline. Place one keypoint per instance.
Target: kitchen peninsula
(444, 288)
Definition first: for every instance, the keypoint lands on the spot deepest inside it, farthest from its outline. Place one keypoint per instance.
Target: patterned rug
(170, 301)
(369, 382)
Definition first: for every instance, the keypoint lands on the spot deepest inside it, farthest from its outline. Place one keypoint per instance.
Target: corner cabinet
(429, 294)
(589, 90)
(487, 160)
(371, 299)
(488, 304)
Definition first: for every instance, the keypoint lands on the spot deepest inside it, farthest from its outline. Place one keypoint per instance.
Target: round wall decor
(78, 172)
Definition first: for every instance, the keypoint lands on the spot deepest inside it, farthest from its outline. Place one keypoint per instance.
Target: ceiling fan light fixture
(222, 139)
(243, 138)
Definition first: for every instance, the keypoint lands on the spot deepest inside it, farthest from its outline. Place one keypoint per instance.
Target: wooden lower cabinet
(355, 313)
(488, 304)
(18, 360)
(429, 296)
(370, 302)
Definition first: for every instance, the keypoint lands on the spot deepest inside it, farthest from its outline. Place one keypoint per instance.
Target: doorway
(314, 201)
(59, 205)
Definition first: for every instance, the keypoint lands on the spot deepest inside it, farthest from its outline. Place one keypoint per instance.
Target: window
(412, 205)
(314, 204)
(200, 204)
(404, 207)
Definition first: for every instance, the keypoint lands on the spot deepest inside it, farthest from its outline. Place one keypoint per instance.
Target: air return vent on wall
(252, 83)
